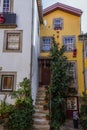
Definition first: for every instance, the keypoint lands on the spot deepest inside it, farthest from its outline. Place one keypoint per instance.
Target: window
(58, 24)
(46, 43)
(7, 6)
(73, 75)
(13, 41)
(72, 103)
(7, 81)
(69, 43)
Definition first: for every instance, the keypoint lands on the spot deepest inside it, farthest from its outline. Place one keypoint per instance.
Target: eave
(63, 7)
(40, 10)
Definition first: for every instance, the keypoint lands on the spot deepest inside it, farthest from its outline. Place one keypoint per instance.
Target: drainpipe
(32, 24)
(83, 37)
(84, 65)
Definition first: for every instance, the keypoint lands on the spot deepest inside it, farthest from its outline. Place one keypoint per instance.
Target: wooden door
(45, 76)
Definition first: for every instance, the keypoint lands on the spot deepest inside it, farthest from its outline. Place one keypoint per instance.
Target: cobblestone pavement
(68, 125)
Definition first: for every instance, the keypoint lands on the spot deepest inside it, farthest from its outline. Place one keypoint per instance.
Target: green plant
(21, 117)
(5, 109)
(45, 107)
(47, 116)
(46, 87)
(46, 98)
(60, 81)
(47, 92)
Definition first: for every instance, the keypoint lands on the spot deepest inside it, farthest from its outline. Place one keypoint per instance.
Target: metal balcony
(8, 20)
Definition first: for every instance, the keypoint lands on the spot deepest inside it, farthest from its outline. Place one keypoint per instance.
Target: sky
(80, 4)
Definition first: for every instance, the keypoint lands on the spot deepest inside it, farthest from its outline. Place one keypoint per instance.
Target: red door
(45, 76)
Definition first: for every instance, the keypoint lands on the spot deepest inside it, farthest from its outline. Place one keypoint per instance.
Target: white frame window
(69, 42)
(8, 81)
(58, 24)
(46, 44)
(13, 41)
(6, 5)
(73, 74)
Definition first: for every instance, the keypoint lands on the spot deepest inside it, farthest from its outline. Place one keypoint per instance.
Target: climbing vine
(60, 81)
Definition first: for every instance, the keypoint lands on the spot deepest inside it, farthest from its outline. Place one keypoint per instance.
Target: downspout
(84, 65)
(32, 30)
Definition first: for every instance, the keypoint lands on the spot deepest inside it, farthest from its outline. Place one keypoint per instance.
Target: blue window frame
(6, 5)
(69, 42)
(46, 43)
(58, 24)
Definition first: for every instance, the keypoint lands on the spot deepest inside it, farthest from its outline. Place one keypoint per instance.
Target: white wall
(19, 62)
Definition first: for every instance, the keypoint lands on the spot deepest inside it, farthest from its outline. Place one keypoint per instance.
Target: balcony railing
(7, 20)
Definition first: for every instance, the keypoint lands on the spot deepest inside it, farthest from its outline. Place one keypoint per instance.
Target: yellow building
(64, 24)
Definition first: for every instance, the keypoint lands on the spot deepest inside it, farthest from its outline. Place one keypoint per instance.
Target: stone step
(40, 102)
(39, 106)
(39, 115)
(42, 121)
(41, 111)
(41, 127)
(42, 90)
(41, 94)
(39, 98)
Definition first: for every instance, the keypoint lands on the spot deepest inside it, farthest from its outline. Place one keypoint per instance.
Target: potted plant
(47, 93)
(45, 107)
(46, 99)
(46, 87)
(47, 117)
(5, 109)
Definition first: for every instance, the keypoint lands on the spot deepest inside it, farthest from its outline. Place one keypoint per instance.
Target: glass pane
(13, 41)
(13, 46)
(72, 103)
(46, 44)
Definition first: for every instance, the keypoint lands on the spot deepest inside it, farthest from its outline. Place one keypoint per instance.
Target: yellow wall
(71, 27)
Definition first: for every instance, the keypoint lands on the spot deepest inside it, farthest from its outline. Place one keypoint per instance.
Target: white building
(19, 43)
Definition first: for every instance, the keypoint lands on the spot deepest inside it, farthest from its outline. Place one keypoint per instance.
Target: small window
(46, 44)
(69, 43)
(7, 6)
(7, 81)
(58, 24)
(13, 41)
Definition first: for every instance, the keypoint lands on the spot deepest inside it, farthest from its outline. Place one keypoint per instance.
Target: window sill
(58, 28)
(8, 25)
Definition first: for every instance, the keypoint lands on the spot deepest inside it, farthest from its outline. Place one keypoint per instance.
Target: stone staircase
(39, 118)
